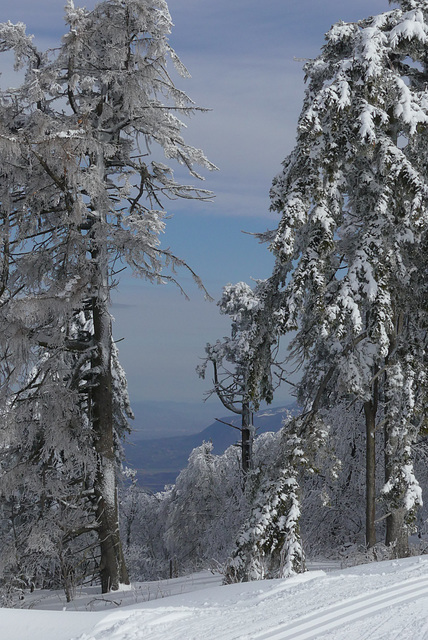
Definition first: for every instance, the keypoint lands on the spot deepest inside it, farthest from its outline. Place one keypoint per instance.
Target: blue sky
(245, 58)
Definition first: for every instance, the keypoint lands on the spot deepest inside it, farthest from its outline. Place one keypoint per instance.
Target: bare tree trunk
(396, 527)
(247, 437)
(247, 428)
(112, 568)
(370, 413)
(112, 565)
(397, 533)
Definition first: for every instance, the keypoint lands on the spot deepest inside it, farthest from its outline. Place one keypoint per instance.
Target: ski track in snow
(309, 627)
(264, 616)
(380, 601)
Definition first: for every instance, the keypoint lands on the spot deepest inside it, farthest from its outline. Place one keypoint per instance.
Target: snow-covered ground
(379, 601)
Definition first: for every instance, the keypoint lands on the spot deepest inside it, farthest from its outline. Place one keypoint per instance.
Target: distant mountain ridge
(154, 419)
(158, 461)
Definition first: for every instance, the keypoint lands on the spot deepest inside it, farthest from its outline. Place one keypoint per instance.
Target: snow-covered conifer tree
(269, 544)
(230, 358)
(245, 355)
(350, 273)
(79, 195)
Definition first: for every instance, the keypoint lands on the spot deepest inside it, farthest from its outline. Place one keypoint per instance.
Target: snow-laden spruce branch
(350, 274)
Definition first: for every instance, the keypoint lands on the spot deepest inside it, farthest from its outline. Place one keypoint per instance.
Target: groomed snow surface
(378, 601)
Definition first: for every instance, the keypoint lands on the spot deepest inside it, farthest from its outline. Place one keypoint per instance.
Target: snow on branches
(80, 194)
(350, 272)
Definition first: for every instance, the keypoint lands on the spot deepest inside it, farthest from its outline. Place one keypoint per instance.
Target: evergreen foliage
(350, 271)
(80, 198)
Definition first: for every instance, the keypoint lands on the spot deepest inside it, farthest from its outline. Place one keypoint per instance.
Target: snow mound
(380, 600)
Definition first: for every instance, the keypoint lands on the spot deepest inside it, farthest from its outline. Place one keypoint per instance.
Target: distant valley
(158, 461)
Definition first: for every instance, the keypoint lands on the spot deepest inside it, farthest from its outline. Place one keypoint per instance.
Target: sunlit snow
(379, 601)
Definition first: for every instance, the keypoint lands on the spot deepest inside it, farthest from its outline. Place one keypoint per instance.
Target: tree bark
(370, 414)
(396, 527)
(112, 565)
(247, 437)
(397, 533)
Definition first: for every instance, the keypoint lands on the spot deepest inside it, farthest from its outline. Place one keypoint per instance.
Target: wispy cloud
(240, 54)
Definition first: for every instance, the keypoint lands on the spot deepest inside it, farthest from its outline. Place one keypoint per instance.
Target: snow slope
(379, 601)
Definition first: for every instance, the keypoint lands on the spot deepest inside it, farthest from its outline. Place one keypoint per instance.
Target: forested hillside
(158, 461)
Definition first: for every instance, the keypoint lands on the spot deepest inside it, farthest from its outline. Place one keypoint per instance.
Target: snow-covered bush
(204, 508)
(143, 529)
